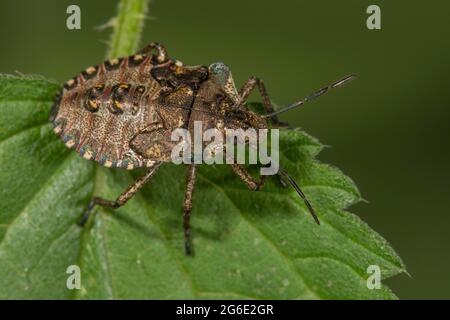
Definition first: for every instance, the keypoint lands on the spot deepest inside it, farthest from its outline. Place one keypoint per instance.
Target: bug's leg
(250, 181)
(160, 49)
(248, 87)
(247, 178)
(124, 197)
(244, 93)
(257, 185)
(187, 207)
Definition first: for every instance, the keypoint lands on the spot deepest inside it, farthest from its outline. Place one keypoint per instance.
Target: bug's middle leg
(187, 206)
(245, 176)
(124, 196)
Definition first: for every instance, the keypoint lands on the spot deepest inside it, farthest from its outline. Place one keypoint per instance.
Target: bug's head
(236, 116)
(220, 76)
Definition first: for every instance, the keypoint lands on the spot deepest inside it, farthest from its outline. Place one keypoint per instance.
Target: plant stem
(127, 25)
(127, 28)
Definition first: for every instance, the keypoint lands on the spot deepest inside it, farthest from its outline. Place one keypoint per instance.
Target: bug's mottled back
(122, 112)
(101, 110)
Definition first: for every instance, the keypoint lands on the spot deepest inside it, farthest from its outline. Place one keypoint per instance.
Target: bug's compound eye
(220, 72)
(221, 75)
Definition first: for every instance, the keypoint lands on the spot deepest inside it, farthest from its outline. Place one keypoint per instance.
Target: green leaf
(248, 244)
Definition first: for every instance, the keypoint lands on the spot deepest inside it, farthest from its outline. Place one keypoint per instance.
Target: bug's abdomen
(103, 108)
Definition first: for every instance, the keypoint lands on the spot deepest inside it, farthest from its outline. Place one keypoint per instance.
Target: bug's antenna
(312, 96)
(301, 194)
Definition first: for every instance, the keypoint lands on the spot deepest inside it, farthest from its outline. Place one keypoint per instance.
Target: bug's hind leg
(161, 55)
(249, 86)
(250, 181)
(245, 176)
(124, 197)
(187, 207)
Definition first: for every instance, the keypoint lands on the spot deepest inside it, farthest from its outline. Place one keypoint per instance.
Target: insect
(121, 114)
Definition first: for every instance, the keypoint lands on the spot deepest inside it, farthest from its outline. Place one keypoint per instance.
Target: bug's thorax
(217, 103)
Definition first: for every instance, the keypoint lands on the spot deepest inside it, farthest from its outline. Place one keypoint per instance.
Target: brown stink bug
(121, 113)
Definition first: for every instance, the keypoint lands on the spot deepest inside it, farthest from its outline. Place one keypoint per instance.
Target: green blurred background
(388, 130)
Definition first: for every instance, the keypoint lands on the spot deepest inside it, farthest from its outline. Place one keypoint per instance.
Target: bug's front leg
(245, 176)
(187, 206)
(124, 197)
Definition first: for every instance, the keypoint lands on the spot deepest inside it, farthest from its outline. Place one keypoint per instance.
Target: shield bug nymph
(121, 114)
